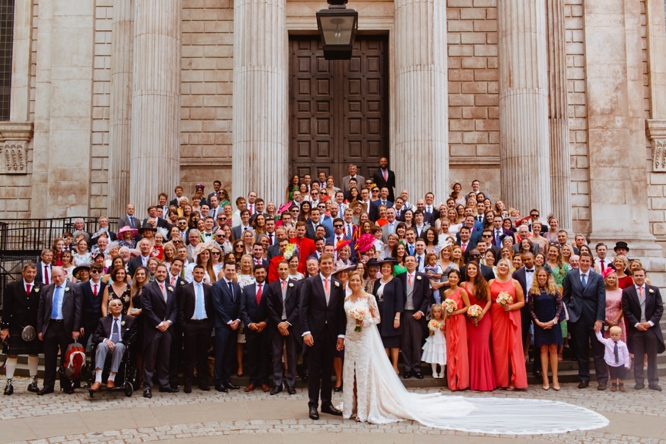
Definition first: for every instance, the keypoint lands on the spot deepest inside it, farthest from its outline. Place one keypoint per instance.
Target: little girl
(434, 350)
(434, 271)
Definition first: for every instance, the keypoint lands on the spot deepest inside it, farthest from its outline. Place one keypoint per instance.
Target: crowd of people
(467, 285)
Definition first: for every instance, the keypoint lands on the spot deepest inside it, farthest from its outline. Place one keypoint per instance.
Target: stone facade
(64, 74)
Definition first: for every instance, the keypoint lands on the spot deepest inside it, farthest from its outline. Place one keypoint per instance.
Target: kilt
(17, 346)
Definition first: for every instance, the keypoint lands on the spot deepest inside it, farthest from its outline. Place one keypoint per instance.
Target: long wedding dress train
(382, 398)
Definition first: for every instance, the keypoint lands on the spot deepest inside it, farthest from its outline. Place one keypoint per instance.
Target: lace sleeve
(374, 310)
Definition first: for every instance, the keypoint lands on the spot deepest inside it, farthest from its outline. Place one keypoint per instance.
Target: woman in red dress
(482, 374)
(507, 344)
(457, 359)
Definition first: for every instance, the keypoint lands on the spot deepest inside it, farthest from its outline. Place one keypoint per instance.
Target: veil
(391, 402)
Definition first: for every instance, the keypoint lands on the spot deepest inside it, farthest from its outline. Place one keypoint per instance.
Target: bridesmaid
(506, 333)
(482, 374)
(457, 360)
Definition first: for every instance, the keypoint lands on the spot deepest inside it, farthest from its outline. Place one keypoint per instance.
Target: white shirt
(529, 278)
(92, 286)
(25, 286)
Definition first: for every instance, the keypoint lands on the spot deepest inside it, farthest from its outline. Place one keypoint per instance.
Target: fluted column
(155, 101)
(558, 122)
(261, 109)
(420, 155)
(120, 125)
(524, 150)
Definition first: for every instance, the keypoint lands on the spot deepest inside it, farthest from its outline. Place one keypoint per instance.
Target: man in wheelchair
(114, 334)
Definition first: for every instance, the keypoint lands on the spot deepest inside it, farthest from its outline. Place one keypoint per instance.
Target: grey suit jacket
(386, 231)
(345, 182)
(124, 222)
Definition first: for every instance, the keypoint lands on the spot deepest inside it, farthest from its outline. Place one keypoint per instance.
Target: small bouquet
(358, 314)
(450, 305)
(433, 326)
(504, 299)
(474, 312)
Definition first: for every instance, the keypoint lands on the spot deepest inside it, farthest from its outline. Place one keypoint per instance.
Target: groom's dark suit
(325, 322)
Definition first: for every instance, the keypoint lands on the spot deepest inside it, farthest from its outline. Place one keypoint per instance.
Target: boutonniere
(337, 284)
(650, 291)
(418, 278)
(66, 289)
(170, 288)
(36, 290)
(122, 323)
(291, 285)
(182, 282)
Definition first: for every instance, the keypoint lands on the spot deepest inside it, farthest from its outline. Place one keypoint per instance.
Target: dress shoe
(33, 387)
(277, 389)
(291, 390)
(639, 386)
(231, 386)
(110, 385)
(601, 386)
(9, 389)
(313, 413)
(187, 388)
(96, 386)
(147, 393)
(654, 387)
(45, 391)
(204, 388)
(169, 390)
(76, 384)
(221, 388)
(614, 388)
(583, 384)
(331, 410)
(250, 388)
(407, 375)
(418, 375)
(621, 388)
(265, 388)
(68, 390)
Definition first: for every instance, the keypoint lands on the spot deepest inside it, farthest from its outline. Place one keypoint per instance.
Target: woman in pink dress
(457, 360)
(482, 374)
(613, 303)
(507, 344)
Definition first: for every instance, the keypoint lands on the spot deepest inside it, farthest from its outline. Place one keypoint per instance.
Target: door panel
(338, 109)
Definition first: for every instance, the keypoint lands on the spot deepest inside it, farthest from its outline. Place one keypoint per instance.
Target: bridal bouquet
(474, 312)
(450, 305)
(358, 314)
(504, 299)
(433, 326)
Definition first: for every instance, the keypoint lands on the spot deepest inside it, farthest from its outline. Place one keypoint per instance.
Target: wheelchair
(125, 378)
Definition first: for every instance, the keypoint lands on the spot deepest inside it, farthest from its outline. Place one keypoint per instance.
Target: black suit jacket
(72, 307)
(275, 305)
(310, 231)
(315, 315)
(422, 291)
(273, 250)
(161, 223)
(519, 275)
(588, 303)
(155, 309)
(133, 264)
(225, 304)
(39, 279)
(92, 305)
(378, 179)
(19, 310)
(187, 300)
(654, 309)
(250, 312)
(374, 208)
(127, 332)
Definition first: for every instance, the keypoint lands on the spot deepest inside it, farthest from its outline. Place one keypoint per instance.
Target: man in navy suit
(254, 314)
(159, 308)
(258, 255)
(45, 268)
(585, 296)
(226, 303)
(323, 322)
(643, 307)
(339, 234)
(92, 291)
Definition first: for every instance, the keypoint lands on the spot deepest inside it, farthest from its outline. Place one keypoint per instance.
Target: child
(617, 357)
(434, 271)
(434, 350)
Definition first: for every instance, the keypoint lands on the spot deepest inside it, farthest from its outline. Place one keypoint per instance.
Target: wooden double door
(339, 108)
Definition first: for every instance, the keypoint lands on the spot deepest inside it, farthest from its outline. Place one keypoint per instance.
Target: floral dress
(124, 297)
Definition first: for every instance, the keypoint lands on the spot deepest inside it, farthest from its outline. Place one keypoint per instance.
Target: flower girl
(434, 350)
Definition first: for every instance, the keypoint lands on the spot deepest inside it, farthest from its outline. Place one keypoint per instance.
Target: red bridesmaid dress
(482, 374)
(457, 361)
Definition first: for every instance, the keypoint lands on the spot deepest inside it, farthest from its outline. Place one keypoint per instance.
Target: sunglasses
(95, 271)
(534, 215)
(238, 246)
(338, 226)
(177, 242)
(487, 235)
(221, 218)
(375, 191)
(215, 253)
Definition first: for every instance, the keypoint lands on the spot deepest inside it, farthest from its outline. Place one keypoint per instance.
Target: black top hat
(621, 244)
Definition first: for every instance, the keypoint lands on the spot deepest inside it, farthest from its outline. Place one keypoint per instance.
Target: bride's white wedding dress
(382, 399)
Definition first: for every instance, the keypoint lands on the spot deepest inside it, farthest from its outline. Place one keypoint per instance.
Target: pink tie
(411, 279)
(385, 176)
(326, 289)
(163, 291)
(259, 294)
(173, 280)
(284, 285)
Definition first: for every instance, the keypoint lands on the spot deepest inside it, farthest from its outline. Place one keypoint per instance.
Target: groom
(323, 323)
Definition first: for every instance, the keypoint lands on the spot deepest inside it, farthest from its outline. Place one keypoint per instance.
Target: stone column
(261, 110)
(120, 125)
(155, 166)
(420, 154)
(558, 122)
(524, 149)
(656, 40)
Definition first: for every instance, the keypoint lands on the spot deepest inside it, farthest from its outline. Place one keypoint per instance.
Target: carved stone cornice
(14, 139)
(656, 132)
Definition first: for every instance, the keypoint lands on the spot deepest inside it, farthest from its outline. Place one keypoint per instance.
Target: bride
(376, 394)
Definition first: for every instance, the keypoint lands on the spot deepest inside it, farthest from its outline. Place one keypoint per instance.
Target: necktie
(640, 291)
(199, 302)
(339, 239)
(340, 212)
(603, 267)
(327, 290)
(173, 280)
(429, 209)
(251, 209)
(464, 247)
(270, 236)
(616, 351)
(411, 249)
(410, 279)
(131, 221)
(584, 280)
(497, 237)
(259, 294)
(418, 262)
(164, 295)
(115, 333)
(231, 290)
(57, 297)
(383, 202)
(27, 289)
(349, 230)
(46, 275)
(385, 174)
(284, 286)
(94, 289)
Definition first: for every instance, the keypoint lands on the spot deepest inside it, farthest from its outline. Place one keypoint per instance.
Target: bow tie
(529, 271)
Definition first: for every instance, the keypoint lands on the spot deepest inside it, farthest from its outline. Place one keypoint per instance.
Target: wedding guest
(226, 304)
(390, 302)
(620, 263)
(117, 289)
(457, 358)
(244, 277)
(138, 283)
(613, 303)
(617, 358)
(434, 350)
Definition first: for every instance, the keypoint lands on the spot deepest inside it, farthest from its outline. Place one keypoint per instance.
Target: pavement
(239, 417)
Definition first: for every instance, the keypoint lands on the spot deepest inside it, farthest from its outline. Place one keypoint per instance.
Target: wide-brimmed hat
(374, 262)
(148, 227)
(76, 270)
(342, 243)
(365, 242)
(125, 229)
(341, 266)
(621, 244)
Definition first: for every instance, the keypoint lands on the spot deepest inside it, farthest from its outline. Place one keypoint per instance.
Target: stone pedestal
(420, 154)
(155, 148)
(261, 110)
(524, 148)
(120, 124)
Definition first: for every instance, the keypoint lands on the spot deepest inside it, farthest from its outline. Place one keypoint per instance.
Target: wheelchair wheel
(128, 389)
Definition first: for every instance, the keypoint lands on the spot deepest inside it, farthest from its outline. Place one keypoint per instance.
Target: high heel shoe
(545, 387)
(556, 388)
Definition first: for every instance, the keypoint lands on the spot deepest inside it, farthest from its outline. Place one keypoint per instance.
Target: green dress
(399, 269)
(559, 273)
